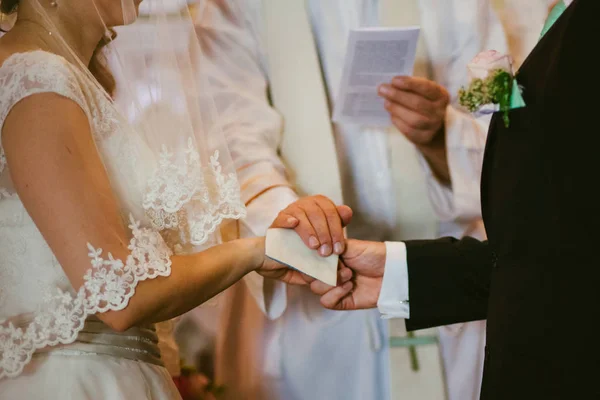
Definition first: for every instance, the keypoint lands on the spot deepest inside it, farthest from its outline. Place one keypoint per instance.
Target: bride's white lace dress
(51, 346)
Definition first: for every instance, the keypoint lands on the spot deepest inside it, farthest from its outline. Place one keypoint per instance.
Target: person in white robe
(456, 200)
(281, 344)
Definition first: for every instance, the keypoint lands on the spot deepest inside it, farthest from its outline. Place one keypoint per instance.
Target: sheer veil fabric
(163, 149)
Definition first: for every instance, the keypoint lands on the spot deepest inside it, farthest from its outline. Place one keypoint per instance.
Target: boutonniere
(492, 86)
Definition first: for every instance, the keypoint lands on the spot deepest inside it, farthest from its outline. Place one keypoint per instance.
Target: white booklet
(286, 247)
(373, 56)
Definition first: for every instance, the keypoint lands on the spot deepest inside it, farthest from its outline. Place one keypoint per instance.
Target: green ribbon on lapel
(554, 15)
(516, 98)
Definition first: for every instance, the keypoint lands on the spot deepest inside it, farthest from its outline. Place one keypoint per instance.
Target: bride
(110, 212)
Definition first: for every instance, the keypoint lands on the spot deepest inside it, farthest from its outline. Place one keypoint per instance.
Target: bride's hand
(274, 270)
(318, 221)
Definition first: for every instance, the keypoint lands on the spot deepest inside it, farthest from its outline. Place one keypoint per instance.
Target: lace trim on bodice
(108, 286)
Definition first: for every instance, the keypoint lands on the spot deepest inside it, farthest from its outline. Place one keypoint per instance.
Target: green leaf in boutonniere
(492, 87)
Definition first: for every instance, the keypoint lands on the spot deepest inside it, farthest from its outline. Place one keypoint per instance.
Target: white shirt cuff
(393, 298)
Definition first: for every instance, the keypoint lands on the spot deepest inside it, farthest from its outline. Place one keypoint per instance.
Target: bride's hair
(8, 6)
(98, 65)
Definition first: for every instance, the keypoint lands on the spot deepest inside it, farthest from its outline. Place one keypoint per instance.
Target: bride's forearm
(194, 279)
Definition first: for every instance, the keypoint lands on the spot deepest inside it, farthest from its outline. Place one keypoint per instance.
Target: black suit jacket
(537, 279)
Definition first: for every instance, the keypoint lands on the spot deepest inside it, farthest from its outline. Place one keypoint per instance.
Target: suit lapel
(535, 75)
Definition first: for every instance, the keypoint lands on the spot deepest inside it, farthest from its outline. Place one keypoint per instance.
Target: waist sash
(138, 344)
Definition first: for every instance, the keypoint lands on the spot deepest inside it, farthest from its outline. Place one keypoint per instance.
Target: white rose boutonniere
(492, 85)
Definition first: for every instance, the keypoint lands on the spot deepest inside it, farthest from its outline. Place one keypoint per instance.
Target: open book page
(374, 56)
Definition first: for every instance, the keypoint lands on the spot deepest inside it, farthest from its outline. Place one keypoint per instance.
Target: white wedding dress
(51, 345)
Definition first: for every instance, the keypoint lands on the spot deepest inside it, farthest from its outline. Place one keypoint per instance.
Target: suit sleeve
(448, 280)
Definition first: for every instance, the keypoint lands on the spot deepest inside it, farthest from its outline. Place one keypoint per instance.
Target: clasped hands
(417, 107)
(320, 224)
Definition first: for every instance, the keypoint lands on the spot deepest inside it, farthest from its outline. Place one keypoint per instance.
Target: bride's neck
(81, 41)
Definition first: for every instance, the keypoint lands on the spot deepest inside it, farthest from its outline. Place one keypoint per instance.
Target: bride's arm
(63, 184)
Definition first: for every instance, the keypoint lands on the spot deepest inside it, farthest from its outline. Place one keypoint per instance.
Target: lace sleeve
(53, 313)
(26, 74)
(108, 286)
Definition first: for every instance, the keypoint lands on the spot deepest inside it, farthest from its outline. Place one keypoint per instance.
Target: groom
(536, 279)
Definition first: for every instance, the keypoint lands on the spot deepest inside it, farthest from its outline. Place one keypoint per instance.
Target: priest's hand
(318, 221)
(417, 107)
(360, 277)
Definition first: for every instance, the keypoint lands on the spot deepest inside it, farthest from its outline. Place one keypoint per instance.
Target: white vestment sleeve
(452, 47)
(251, 126)
(270, 295)
(465, 145)
(470, 27)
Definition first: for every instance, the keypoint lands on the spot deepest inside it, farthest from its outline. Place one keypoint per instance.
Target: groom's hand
(360, 278)
(318, 221)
